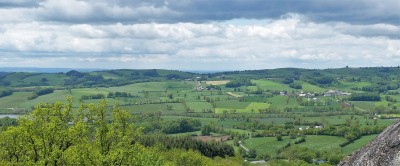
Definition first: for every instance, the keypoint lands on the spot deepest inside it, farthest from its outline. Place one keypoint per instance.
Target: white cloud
(292, 41)
(393, 49)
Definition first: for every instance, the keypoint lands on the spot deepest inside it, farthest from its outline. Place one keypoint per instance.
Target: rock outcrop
(384, 150)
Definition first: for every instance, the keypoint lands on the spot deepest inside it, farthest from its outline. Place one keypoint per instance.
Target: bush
(41, 92)
(4, 93)
(239, 83)
(279, 137)
(296, 86)
(300, 140)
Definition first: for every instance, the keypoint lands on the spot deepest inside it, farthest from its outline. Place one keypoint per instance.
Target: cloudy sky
(199, 34)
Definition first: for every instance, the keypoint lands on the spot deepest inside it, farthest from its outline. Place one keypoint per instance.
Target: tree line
(40, 92)
(209, 149)
(4, 93)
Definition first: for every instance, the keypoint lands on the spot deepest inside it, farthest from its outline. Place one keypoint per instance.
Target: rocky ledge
(383, 150)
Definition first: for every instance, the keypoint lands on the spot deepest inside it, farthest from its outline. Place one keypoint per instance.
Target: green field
(266, 145)
(283, 101)
(232, 104)
(321, 142)
(199, 106)
(349, 85)
(176, 107)
(357, 144)
(307, 87)
(270, 85)
(269, 145)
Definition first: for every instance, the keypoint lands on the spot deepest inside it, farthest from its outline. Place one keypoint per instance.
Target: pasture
(271, 85)
(252, 107)
(357, 144)
(270, 145)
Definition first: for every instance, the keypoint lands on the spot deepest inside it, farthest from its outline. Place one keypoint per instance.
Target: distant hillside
(43, 70)
(381, 79)
(74, 78)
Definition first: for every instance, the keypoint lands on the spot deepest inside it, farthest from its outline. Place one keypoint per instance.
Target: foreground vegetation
(281, 116)
(57, 134)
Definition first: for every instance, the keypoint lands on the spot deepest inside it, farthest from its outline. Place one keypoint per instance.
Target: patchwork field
(252, 107)
(357, 144)
(233, 94)
(261, 104)
(270, 85)
(221, 82)
(270, 145)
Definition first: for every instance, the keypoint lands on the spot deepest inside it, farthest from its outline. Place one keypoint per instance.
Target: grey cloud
(103, 11)
(18, 3)
(326, 10)
(374, 30)
(200, 11)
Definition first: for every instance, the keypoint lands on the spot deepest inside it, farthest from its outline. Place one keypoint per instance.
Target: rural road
(241, 145)
(355, 106)
(350, 104)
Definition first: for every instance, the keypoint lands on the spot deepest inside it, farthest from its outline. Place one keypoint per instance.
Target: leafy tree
(325, 80)
(252, 153)
(4, 93)
(279, 137)
(57, 134)
(287, 80)
(296, 85)
(41, 92)
(207, 129)
(238, 83)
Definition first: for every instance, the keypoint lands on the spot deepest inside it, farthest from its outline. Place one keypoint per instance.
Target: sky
(209, 35)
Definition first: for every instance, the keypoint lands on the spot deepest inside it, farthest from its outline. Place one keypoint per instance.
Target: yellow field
(233, 94)
(253, 107)
(222, 82)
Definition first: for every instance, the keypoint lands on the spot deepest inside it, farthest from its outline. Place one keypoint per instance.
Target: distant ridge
(44, 70)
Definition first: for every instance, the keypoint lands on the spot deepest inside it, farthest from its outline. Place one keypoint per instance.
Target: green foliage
(93, 96)
(287, 80)
(365, 97)
(296, 86)
(41, 92)
(4, 93)
(300, 140)
(324, 80)
(74, 73)
(207, 129)
(119, 94)
(279, 137)
(53, 135)
(6, 122)
(209, 149)
(151, 73)
(239, 83)
(298, 153)
(178, 126)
